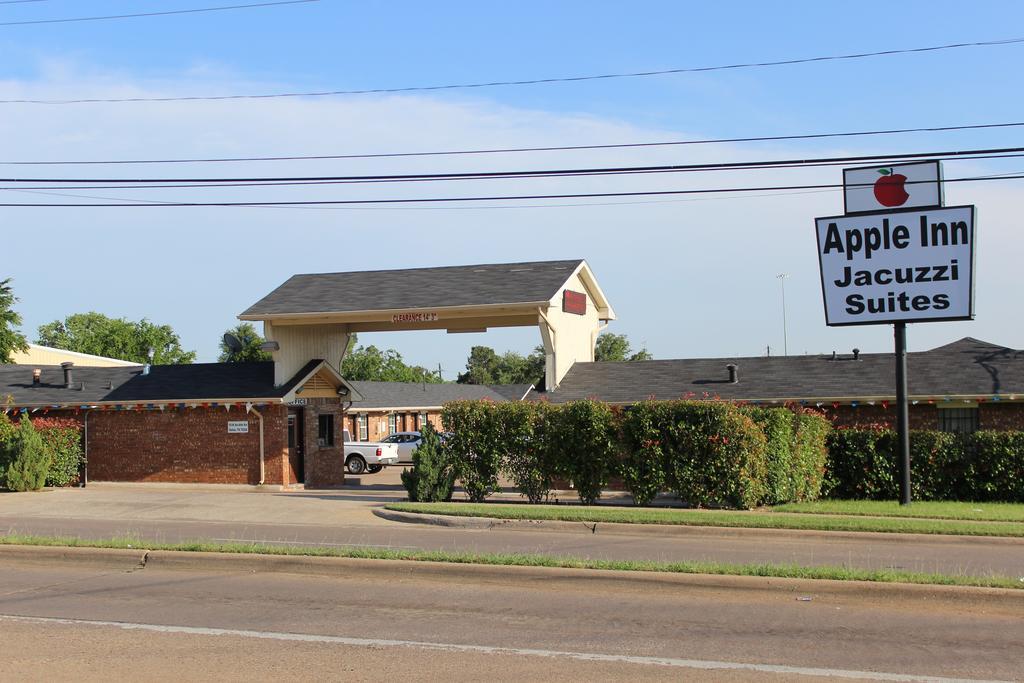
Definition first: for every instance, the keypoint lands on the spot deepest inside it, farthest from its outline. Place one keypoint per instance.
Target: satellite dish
(231, 341)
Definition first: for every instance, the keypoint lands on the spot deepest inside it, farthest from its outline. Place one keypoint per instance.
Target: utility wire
(673, 168)
(506, 150)
(154, 14)
(535, 81)
(387, 179)
(434, 200)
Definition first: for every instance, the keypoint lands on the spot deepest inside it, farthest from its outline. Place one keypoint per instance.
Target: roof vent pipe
(145, 369)
(66, 366)
(37, 376)
(856, 354)
(733, 374)
(833, 355)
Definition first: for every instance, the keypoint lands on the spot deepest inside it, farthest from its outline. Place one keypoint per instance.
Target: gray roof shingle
(382, 290)
(377, 395)
(965, 367)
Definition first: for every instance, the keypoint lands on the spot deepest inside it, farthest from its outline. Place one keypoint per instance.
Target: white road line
(316, 543)
(702, 664)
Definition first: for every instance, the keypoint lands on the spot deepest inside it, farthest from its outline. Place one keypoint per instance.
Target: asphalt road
(383, 620)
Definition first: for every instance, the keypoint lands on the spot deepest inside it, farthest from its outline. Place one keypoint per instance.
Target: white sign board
(238, 427)
(894, 187)
(903, 266)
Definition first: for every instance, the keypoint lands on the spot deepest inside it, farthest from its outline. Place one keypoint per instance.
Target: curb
(674, 530)
(548, 578)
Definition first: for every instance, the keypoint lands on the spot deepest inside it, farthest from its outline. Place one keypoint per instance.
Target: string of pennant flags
(130, 407)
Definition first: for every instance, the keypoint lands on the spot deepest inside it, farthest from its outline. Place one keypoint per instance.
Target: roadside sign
(892, 187)
(905, 266)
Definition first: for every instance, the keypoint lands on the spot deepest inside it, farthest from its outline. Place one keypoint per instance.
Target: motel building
(282, 422)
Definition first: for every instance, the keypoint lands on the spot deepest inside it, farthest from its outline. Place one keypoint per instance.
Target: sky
(688, 275)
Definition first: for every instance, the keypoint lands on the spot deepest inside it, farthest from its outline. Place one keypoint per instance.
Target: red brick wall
(186, 445)
(324, 465)
(999, 416)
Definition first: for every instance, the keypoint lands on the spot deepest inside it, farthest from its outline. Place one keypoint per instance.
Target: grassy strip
(717, 518)
(526, 560)
(981, 512)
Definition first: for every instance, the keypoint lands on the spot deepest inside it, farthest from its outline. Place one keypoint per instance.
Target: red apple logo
(889, 190)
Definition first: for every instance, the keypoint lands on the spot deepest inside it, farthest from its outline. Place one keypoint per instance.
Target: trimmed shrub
(938, 466)
(474, 445)
(778, 428)
(715, 454)
(581, 436)
(525, 446)
(861, 465)
(809, 455)
(642, 461)
(62, 441)
(995, 466)
(432, 477)
(26, 459)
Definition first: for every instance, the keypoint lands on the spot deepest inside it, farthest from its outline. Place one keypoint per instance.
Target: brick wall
(187, 445)
(324, 465)
(999, 416)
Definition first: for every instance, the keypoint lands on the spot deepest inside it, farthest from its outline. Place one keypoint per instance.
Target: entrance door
(296, 444)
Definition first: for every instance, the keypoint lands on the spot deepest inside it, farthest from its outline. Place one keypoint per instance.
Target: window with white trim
(391, 423)
(364, 430)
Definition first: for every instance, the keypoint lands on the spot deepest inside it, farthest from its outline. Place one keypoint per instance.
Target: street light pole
(785, 341)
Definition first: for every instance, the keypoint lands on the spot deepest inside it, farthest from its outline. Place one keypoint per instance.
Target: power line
(1003, 152)
(534, 81)
(506, 150)
(433, 200)
(153, 14)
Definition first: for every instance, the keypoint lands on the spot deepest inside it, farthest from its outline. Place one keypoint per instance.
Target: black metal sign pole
(902, 412)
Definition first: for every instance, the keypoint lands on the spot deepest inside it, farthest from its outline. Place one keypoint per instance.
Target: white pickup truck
(368, 456)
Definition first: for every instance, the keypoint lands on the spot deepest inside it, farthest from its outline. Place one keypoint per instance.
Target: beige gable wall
(45, 355)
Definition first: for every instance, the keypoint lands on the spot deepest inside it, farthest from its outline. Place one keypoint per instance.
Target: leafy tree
(615, 347)
(100, 335)
(368, 363)
(250, 351)
(11, 339)
(485, 366)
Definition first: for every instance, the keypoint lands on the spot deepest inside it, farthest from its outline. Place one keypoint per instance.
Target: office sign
(238, 427)
(901, 266)
(574, 302)
(893, 187)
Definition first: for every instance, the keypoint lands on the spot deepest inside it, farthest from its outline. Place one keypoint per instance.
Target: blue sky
(688, 278)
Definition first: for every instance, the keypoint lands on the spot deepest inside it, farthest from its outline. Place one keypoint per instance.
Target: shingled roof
(414, 395)
(968, 367)
(386, 290)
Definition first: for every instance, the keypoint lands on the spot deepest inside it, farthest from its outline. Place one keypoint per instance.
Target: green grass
(717, 518)
(527, 560)
(985, 512)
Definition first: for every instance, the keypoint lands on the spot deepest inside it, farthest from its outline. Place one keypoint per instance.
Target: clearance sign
(898, 265)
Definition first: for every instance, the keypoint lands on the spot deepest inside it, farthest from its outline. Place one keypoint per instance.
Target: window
(325, 430)
(423, 421)
(391, 424)
(364, 431)
(959, 420)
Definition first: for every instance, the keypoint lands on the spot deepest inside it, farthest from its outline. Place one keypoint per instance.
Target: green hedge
(24, 458)
(61, 454)
(983, 466)
(708, 452)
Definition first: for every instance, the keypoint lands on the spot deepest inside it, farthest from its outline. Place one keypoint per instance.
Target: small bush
(937, 466)
(432, 477)
(26, 458)
(582, 437)
(995, 466)
(777, 426)
(715, 454)
(62, 440)
(474, 445)
(861, 465)
(526, 455)
(642, 465)
(810, 454)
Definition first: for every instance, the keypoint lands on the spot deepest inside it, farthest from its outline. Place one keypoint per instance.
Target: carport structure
(313, 315)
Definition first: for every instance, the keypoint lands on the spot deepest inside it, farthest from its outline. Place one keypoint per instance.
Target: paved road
(386, 621)
(171, 514)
